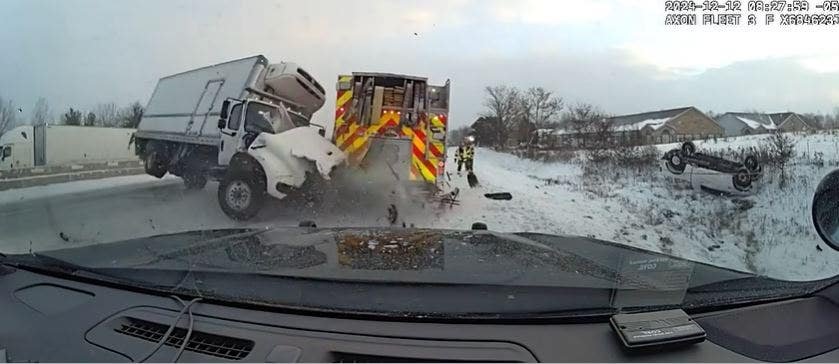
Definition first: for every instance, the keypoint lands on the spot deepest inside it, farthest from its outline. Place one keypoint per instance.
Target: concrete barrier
(57, 174)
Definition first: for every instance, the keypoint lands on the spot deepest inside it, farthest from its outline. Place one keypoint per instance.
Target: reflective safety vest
(468, 152)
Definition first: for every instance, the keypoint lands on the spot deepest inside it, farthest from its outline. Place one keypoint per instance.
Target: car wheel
(742, 180)
(241, 194)
(688, 148)
(675, 162)
(752, 164)
(194, 180)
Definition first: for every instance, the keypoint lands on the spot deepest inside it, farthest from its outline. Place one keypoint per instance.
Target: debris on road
(472, 179)
(499, 196)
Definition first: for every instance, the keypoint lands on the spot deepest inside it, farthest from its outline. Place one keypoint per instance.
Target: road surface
(112, 209)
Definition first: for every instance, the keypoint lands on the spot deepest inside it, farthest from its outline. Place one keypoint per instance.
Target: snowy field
(769, 233)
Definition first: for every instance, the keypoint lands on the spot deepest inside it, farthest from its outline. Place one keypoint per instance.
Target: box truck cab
(16, 149)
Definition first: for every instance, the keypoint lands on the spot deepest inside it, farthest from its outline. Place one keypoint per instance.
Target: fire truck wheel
(241, 194)
(751, 164)
(742, 180)
(688, 148)
(675, 162)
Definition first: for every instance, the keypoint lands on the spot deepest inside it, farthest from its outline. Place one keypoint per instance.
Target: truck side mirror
(826, 209)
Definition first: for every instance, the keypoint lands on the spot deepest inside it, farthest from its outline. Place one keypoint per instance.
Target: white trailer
(57, 145)
(243, 122)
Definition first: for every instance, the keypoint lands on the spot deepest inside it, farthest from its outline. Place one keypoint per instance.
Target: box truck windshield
(261, 117)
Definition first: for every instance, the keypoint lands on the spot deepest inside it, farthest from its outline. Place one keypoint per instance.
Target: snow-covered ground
(768, 233)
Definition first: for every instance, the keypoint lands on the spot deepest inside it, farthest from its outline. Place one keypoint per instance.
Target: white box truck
(244, 123)
(28, 146)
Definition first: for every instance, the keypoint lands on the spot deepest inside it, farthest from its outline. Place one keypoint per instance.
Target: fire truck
(393, 127)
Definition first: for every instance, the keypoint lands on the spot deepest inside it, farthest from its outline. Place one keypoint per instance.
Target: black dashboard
(47, 319)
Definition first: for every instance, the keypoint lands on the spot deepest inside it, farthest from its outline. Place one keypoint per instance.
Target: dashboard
(46, 318)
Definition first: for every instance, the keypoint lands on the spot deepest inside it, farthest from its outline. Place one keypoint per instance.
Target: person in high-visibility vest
(468, 154)
(458, 158)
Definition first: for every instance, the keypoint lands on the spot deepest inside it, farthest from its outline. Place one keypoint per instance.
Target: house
(665, 126)
(740, 123)
(790, 121)
(655, 127)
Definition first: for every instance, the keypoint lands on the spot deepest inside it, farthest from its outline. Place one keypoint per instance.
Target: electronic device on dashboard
(656, 329)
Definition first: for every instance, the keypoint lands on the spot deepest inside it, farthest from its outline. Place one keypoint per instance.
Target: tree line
(103, 114)
(511, 115)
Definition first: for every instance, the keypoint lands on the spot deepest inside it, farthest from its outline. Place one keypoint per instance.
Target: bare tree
(580, 117)
(602, 131)
(41, 112)
(106, 114)
(589, 124)
(539, 109)
(8, 115)
(72, 117)
(90, 119)
(781, 150)
(542, 107)
(835, 123)
(130, 116)
(503, 104)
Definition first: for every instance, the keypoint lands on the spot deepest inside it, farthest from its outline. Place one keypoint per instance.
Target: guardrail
(37, 176)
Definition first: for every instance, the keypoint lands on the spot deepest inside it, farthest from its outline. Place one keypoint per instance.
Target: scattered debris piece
(499, 196)
(392, 214)
(472, 179)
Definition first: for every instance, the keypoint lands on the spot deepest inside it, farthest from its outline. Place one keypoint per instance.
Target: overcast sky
(618, 55)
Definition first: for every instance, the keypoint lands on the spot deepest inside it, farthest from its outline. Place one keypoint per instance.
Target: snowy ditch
(769, 232)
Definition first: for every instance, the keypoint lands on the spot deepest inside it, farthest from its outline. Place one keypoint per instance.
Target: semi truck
(28, 146)
(245, 123)
(393, 127)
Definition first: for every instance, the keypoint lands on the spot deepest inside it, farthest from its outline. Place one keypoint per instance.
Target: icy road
(768, 233)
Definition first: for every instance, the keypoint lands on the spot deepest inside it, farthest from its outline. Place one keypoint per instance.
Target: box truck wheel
(153, 165)
(241, 193)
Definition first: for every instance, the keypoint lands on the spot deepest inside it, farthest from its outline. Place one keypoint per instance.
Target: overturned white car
(709, 173)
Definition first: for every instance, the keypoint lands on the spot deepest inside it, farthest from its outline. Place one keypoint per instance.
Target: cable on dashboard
(186, 307)
(188, 331)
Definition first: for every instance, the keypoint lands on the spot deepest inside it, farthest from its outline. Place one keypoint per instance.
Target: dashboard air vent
(199, 342)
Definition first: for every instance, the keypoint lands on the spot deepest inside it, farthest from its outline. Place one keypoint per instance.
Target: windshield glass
(598, 145)
(261, 117)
